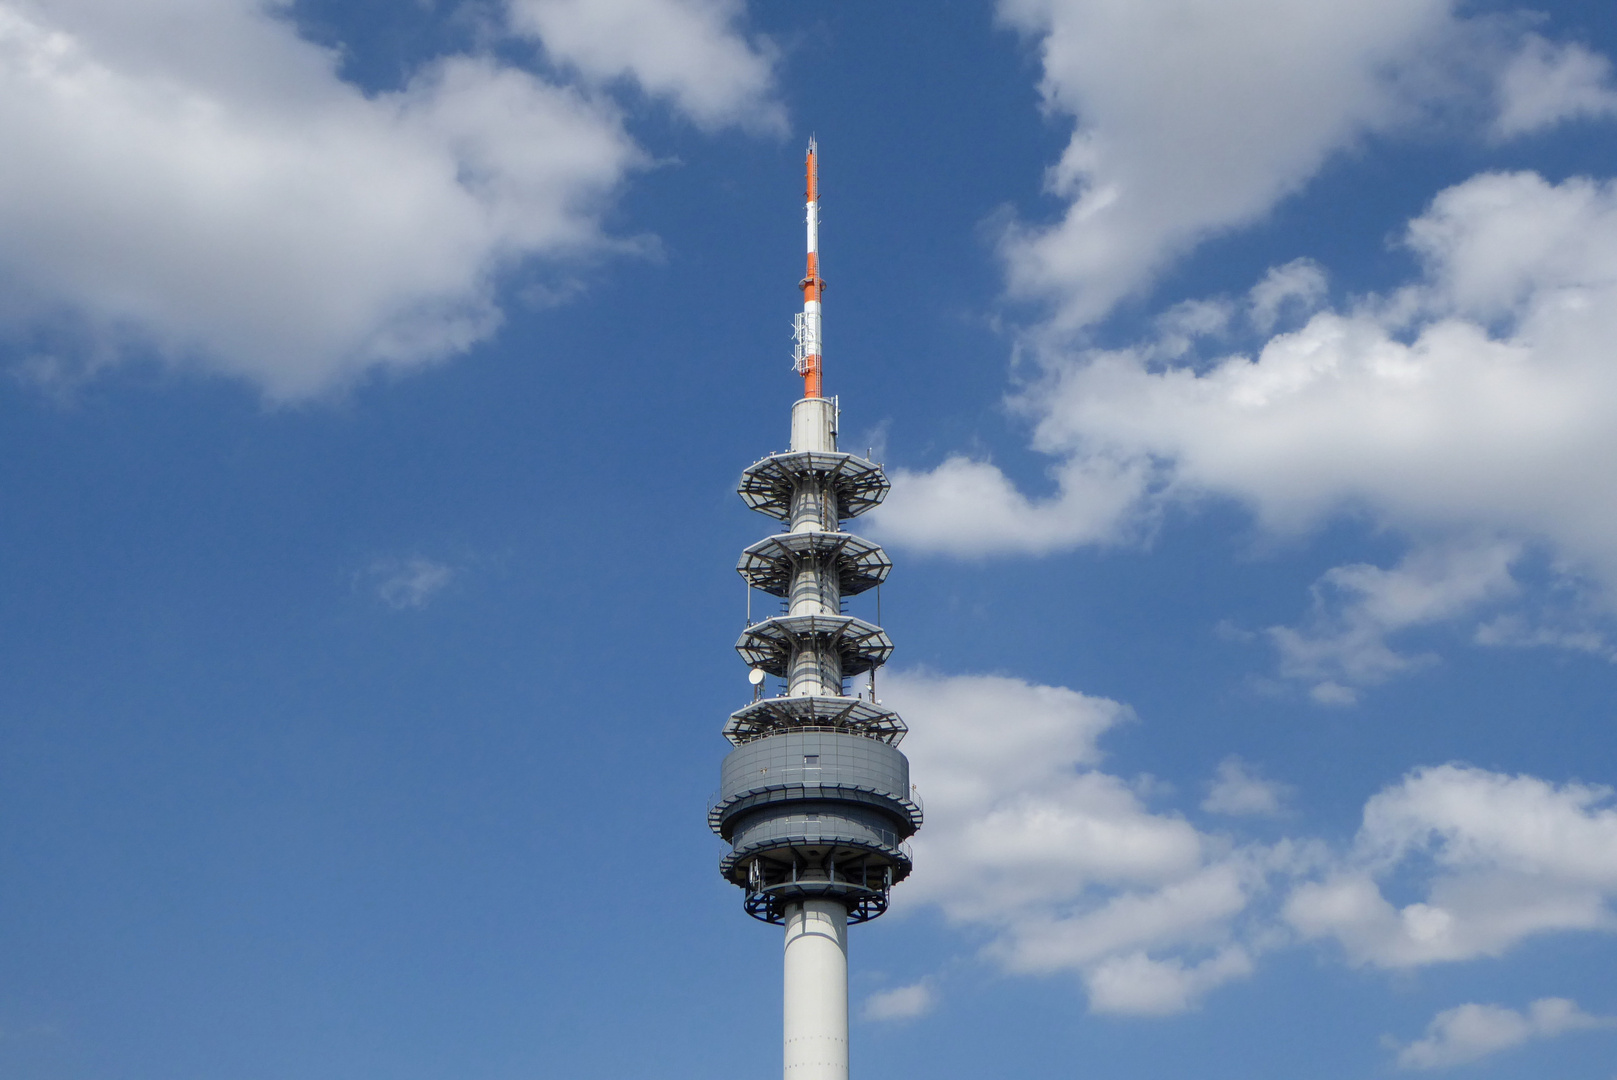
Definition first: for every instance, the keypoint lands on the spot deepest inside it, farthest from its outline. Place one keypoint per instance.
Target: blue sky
(376, 379)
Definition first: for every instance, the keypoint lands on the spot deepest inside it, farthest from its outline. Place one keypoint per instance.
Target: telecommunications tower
(815, 799)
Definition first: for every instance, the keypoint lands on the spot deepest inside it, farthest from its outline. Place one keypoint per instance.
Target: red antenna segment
(813, 286)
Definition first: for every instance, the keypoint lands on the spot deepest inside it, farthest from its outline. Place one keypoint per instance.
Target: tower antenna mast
(813, 286)
(815, 798)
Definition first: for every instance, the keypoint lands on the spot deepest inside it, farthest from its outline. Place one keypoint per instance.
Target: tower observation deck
(815, 798)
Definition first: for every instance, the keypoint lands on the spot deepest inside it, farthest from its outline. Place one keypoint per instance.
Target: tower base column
(816, 1045)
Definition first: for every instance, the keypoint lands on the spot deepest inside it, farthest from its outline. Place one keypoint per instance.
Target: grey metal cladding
(862, 775)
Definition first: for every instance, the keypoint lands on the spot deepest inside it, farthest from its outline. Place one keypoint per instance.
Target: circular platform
(768, 564)
(767, 485)
(770, 644)
(778, 715)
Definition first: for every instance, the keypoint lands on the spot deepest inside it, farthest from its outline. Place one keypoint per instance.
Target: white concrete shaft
(810, 509)
(816, 1029)
(814, 425)
(814, 671)
(816, 589)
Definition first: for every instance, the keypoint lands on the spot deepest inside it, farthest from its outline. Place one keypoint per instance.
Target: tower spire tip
(808, 323)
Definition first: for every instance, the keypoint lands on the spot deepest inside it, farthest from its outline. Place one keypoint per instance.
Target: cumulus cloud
(1196, 116)
(1496, 859)
(1067, 869)
(1139, 985)
(1413, 408)
(688, 51)
(901, 1002)
(967, 507)
(221, 199)
(1472, 1032)
(1467, 410)
(1547, 84)
(1239, 791)
(1064, 864)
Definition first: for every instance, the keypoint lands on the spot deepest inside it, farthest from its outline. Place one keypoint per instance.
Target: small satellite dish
(755, 676)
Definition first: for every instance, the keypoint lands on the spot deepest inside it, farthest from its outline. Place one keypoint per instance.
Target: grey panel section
(840, 773)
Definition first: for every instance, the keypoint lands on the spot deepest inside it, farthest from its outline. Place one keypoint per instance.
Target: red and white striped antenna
(807, 325)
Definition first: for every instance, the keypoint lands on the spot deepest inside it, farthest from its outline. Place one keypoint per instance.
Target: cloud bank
(1065, 864)
(1467, 410)
(1195, 117)
(1497, 859)
(1464, 410)
(1070, 869)
(221, 199)
(1475, 397)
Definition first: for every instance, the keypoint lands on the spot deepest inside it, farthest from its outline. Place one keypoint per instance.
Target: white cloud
(1138, 985)
(409, 583)
(1062, 863)
(1238, 791)
(1358, 607)
(1197, 116)
(1068, 870)
(901, 1002)
(967, 507)
(1546, 84)
(688, 51)
(1496, 859)
(1468, 411)
(222, 200)
(1472, 1032)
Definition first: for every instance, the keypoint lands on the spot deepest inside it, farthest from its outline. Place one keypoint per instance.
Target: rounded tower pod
(815, 799)
(816, 814)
